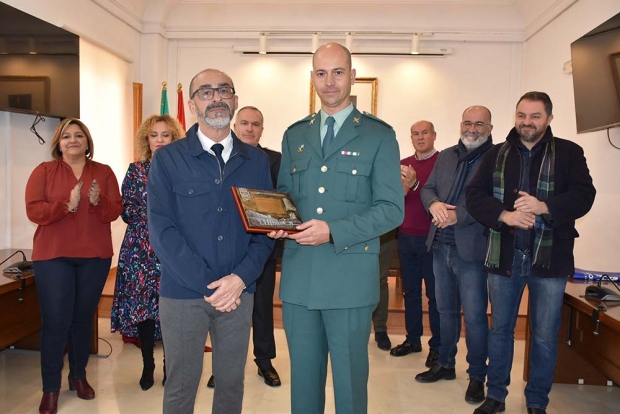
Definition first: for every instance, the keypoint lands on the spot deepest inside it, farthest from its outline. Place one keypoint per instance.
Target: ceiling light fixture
(348, 41)
(415, 44)
(262, 44)
(315, 41)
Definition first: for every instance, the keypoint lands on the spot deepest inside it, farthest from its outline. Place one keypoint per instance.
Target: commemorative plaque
(263, 211)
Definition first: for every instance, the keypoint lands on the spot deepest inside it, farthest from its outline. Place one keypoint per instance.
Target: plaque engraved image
(263, 211)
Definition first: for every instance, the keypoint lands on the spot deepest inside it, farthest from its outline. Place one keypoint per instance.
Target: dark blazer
(468, 232)
(274, 166)
(356, 189)
(572, 198)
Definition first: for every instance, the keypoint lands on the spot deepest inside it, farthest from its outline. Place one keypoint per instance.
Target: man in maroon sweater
(415, 261)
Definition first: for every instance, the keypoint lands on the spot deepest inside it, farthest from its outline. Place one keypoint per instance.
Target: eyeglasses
(478, 125)
(205, 93)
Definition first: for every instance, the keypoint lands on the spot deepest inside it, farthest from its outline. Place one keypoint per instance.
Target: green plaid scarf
(543, 239)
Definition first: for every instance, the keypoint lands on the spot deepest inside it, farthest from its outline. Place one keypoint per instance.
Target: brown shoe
(49, 403)
(83, 388)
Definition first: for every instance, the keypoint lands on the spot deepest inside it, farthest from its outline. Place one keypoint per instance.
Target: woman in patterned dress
(135, 310)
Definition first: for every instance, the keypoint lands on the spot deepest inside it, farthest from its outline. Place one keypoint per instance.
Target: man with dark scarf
(529, 191)
(458, 245)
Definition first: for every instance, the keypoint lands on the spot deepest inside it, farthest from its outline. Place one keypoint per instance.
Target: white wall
(106, 108)
(20, 153)
(409, 89)
(545, 54)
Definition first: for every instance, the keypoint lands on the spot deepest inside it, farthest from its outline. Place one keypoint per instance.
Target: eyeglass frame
(477, 125)
(213, 90)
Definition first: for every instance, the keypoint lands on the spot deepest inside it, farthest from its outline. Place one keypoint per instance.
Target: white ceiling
(492, 20)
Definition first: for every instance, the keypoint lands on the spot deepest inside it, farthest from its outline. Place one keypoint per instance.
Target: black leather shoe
(490, 406)
(211, 382)
(533, 410)
(271, 376)
(433, 356)
(383, 341)
(475, 391)
(405, 349)
(436, 373)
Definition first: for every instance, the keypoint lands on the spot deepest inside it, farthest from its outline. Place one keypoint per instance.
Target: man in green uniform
(342, 168)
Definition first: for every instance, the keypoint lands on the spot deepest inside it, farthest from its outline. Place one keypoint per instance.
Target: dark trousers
(69, 290)
(262, 317)
(416, 265)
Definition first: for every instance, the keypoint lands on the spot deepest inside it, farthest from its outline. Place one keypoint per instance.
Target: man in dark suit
(342, 169)
(249, 128)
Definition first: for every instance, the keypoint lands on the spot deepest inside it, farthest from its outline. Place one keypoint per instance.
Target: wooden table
(588, 352)
(20, 317)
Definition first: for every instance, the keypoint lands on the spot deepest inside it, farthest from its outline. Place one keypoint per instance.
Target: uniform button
(346, 247)
(354, 172)
(191, 191)
(366, 248)
(321, 190)
(220, 238)
(324, 168)
(319, 210)
(220, 209)
(294, 169)
(217, 181)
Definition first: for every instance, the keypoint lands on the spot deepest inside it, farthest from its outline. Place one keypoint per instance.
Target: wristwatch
(415, 185)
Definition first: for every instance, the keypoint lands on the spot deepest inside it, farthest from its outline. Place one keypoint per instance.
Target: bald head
(479, 108)
(329, 49)
(423, 138)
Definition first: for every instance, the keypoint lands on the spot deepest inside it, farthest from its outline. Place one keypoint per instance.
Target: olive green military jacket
(356, 189)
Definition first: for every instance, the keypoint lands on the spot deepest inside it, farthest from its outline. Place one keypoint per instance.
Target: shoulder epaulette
(307, 120)
(374, 118)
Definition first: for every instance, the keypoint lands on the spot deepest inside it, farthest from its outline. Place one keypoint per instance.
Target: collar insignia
(356, 120)
(301, 147)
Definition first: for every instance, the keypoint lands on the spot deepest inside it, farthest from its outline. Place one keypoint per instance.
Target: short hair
(482, 107)
(191, 83)
(424, 120)
(143, 149)
(540, 97)
(252, 108)
(344, 49)
(60, 130)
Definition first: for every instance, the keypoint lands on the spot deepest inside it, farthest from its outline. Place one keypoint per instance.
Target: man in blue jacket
(208, 262)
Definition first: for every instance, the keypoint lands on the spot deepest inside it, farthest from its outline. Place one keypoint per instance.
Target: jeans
(463, 283)
(416, 265)
(545, 310)
(69, 290)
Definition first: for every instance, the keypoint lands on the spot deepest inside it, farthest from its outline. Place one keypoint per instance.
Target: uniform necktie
(329, 136)
(217, 149)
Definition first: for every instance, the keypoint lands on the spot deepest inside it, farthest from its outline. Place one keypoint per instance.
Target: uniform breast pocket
(352, 180)
(193, 197)
(299, 177)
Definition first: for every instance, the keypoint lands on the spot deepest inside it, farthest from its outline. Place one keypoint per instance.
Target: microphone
(14, 253)
(18, 267)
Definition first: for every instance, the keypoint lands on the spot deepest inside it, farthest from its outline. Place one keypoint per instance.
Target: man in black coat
(528, 192)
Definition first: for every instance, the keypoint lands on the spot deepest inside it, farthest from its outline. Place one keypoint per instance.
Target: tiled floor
(392, 388)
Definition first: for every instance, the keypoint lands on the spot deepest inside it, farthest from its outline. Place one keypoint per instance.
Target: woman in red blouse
(73, 200)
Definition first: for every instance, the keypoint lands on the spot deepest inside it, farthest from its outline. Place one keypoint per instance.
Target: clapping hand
(93, 193)
(74, 197)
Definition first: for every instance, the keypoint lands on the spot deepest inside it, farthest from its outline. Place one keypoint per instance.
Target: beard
(528, 136)
(222, 118)
(473, 140)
